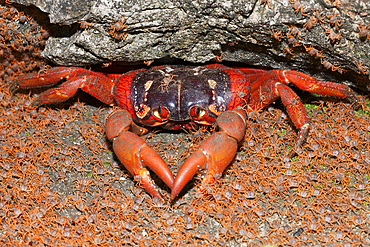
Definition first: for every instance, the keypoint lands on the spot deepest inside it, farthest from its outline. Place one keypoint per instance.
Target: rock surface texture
(328, 35)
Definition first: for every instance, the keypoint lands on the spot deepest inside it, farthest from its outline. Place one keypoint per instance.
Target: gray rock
(199, 31)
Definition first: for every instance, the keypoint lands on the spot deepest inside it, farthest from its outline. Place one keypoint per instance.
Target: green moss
(364, 111)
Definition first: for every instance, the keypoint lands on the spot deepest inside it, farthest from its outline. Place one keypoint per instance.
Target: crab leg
(310, 84)
(304, 82)
(258, 77)
(47, 78)
(98, 85)
(273, 85)
(135, 153)
(215, 153)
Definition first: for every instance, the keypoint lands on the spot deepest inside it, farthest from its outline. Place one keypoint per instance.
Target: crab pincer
(134, 153)
(215, 153)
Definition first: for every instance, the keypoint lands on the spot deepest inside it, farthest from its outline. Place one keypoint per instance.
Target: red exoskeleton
(176, 97)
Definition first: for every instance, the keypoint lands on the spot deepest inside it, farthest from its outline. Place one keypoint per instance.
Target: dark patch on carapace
(178, 88)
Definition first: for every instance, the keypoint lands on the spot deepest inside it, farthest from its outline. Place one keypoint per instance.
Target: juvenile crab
(176, 97)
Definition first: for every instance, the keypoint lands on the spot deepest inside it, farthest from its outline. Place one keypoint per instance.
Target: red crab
(177, 97)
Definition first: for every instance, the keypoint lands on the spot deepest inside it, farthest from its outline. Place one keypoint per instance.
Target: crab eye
(197, 113)
(162, 113)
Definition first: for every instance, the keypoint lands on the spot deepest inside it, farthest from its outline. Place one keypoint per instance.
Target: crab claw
(135, 153)
(215, 153)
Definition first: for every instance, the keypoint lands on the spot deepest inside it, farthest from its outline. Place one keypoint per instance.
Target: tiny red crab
(176, 97)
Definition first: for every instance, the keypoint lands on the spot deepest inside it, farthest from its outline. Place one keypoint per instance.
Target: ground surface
(60, 183)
